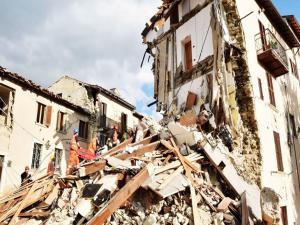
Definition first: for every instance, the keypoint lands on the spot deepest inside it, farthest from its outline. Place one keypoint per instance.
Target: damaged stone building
(34, 124)
(107, 106)
(239, 61)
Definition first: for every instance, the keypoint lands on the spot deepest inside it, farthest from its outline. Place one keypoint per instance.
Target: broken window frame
(271, 89)
(83, 129)
(278, 151)
(36, 156)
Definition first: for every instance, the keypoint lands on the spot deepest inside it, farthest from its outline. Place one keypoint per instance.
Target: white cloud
(97, 41)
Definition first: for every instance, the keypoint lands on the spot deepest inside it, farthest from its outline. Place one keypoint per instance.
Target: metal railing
(267, 41)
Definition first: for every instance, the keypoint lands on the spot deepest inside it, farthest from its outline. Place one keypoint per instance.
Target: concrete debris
(185, 178)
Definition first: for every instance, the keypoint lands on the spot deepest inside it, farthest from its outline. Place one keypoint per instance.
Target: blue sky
(43, 40)
(288, 7)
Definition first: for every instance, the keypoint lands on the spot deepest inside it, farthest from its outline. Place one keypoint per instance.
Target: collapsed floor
(175, 175)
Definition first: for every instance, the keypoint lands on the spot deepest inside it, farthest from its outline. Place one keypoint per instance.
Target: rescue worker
(93, 146)
(73, 157)
(116, 141)
(25, 176)
(51, 166)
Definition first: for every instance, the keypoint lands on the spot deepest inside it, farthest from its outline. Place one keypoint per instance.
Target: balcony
(271, 54)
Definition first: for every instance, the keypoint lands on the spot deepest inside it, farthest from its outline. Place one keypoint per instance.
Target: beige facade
(34, 125)
(240, 58)
(107, 106)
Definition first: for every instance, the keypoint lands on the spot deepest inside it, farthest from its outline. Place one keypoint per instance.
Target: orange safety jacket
(74, 143)
(93, 146)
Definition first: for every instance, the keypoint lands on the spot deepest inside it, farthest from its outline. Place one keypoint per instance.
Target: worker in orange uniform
(93, 145)
(73, 157)
(51, 166)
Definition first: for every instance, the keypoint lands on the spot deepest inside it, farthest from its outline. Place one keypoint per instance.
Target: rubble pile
(178, 176)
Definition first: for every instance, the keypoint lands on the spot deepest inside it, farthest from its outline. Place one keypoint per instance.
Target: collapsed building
(237, 60)
(37, 123)
(108, 108)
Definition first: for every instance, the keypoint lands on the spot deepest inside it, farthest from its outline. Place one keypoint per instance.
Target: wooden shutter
(188, 55)
(260, 89)
(271, 90)
(48, 117)
(58, 121)
(278, 151)
(284, 217)
(263, 35)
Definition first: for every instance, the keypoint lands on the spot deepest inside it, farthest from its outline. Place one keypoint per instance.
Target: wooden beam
(245, 211)
(35, 214)
(194, 205)
(93, 167)
(185, 161)
(140, 151)
(147, 140)
(23, 203)
(118, 148)
(121, 196)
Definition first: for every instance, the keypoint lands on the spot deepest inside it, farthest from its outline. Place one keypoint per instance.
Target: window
(36, 156)
(103, 110)
(83, 129)
(44, 114)
(262, 35)
(57, 162)
(61, 125)
(271, 89)
(123, 122)
(260, 89)
(284, 217)
(278, 151)
(188, 55)
(6, 102)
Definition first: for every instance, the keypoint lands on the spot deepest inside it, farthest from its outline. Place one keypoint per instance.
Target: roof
(111, 95)
(291, 19)
(279, 23)
(106, 92)
(28, 84)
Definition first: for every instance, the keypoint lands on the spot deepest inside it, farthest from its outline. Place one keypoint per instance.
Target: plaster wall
(270, 118)
(25, 132)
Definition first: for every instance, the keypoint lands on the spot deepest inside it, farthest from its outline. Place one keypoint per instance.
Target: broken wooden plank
(185, 161)
(223, 205)
(35, 214)
(245, 211)
(140, 151)
(194, 205)
(170, 178)
(23, 203)
(118, 163)
(147, 140)
(207, 201)
(92, 168)
(122, 195)
(118, 148)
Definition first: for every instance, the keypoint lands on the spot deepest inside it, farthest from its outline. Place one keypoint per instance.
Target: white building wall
(273, 118)
(114, 111)
(26, 132)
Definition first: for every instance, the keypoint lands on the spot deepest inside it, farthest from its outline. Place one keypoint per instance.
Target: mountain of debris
(177, 174)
